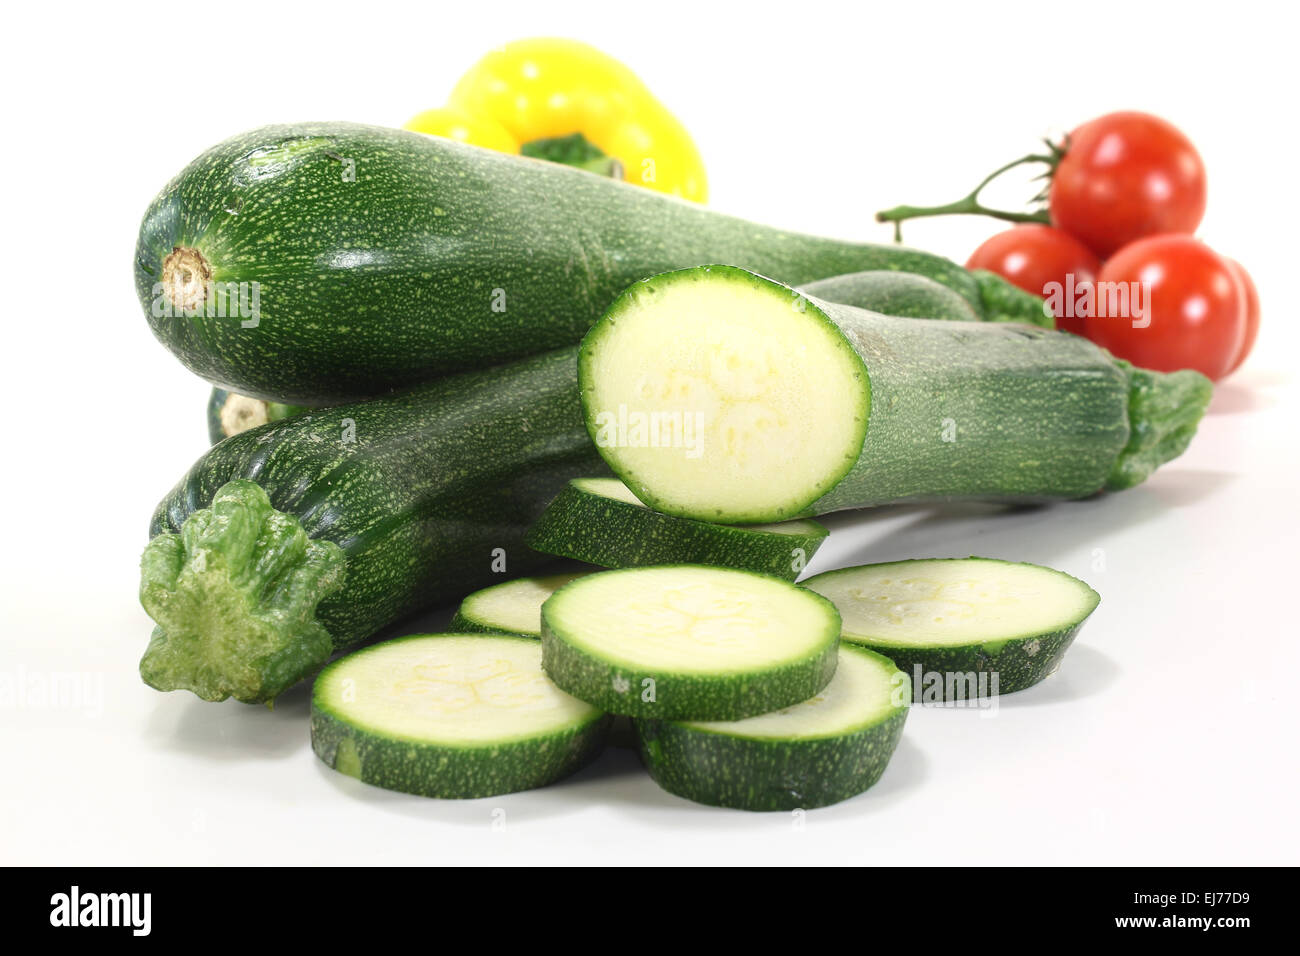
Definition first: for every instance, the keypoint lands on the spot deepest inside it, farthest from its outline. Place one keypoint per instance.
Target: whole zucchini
(321, 263)
(230, 413)
(301, 537)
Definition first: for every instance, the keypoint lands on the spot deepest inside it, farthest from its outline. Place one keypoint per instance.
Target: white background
(1169, 736)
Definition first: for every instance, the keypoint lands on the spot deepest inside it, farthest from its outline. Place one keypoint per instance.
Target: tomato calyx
(970, 205)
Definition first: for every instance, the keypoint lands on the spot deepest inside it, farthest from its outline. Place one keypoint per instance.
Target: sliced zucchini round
(512, 607)
(812, 754)
(717, 394)
(961, 628)
(688, 642)
(600, 521)
(451, 715)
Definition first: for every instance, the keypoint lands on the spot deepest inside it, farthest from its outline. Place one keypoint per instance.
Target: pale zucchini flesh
(729, 394)
(944, 619)
(599, 521)
(451, 715)
(813, 753)
(688, 642)
(512, 607)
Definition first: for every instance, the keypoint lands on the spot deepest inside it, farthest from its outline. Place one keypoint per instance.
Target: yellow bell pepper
(545, 89)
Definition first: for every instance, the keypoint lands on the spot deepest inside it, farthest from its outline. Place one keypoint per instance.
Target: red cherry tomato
(1252, 312)
(1125, 176)
(1034, 257)
(1186, 307)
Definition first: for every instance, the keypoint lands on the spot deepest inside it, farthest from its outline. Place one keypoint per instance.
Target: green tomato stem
(970, 205)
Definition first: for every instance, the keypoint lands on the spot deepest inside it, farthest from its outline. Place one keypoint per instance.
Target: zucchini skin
(460, 624)
(681, 696)
(996, 411)
(764, 774)
(383, 257)
(1018, 664)
(617, 534)
(416, 489)
(460, 774)
(722, 771)
(903, 294)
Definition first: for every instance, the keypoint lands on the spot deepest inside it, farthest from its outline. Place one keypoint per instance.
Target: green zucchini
(230, 413)
(798, 407)
(811, 754)
(962, 628)
(307, 535)
(512, 607)
(451, 715)
(903, 294)
(597, 520)
(321, 263)
(688, 642)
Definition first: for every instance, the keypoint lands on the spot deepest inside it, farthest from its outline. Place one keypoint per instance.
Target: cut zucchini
(961, 628)
(513, 607)
(451, 715)
(687, 642)
(599, 521)
(812, 754)
(717, 394)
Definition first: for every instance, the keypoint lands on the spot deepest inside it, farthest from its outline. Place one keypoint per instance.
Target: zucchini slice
(812, 754)
(717, 394)
(512, 607)
(599, 521)
(451, 715)
(687, 642)
(961, 627)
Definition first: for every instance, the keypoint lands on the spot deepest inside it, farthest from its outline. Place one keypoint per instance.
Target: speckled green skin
(1018, 663)
(436, 257)
(1028, 414)
(275, 411)
(743, 773)
(1001, 301)
(461, 624)
(618, 689)
(617, 534)
(437, 770)
(903, 294)
(417, 489)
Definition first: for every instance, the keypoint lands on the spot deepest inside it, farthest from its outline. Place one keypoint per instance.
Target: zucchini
(903, 294)
(512, 607)
(801, 407)
(597, 520)
(307, 535)
(812, 754)
(230, 413)
(961, 627)
(320, 263)
(451, 715)
(688, 642)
